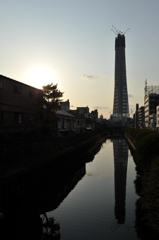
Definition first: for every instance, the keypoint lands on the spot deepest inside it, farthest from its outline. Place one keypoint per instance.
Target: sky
(70, 43)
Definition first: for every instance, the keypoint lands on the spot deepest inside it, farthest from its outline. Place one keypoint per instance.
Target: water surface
(92, 198)
(102, 204)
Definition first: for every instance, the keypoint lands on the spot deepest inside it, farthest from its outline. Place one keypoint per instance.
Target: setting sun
(39, 76)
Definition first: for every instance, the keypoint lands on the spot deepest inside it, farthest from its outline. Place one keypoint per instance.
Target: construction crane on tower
(117, 31)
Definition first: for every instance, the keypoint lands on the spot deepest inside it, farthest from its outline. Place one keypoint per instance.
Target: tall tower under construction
(120, 106)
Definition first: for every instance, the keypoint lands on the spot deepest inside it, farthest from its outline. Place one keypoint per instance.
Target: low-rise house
(65, 123)
(80, 121)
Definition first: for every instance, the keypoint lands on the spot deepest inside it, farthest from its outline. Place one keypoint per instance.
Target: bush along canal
(146, 157)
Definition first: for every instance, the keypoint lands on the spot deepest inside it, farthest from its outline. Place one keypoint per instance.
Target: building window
(1, 117)
(31, 94)
(1, 84)
(18, 118)
(17, 89)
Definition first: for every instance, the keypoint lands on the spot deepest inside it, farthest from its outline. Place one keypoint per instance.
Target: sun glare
(40, 76)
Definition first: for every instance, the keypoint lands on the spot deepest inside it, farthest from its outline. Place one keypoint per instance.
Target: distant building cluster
(147, 116)
(22, 111)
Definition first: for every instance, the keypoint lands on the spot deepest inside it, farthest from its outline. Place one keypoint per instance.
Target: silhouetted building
(141, 117)
(65, 105)
(137, 115)
(94, 114)
(20, 107)
(121, 106)
(83, 110)
(80, 121)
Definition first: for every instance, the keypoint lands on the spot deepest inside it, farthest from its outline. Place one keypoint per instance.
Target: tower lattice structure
(121, 105)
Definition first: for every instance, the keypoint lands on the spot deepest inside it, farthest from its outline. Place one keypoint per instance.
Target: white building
(151, 101)
(152, 121)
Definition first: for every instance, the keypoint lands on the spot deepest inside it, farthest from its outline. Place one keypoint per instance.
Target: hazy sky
(70, 42)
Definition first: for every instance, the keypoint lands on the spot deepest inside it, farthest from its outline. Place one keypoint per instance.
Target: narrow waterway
(102, 204)
(93, 199)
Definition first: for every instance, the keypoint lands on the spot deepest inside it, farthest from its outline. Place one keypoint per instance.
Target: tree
(51, 96)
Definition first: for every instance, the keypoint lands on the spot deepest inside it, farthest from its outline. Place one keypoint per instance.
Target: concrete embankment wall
(130, 142)
(18, 150)
(19, 183)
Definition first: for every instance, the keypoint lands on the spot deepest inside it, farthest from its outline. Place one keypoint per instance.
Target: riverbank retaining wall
(17, 185)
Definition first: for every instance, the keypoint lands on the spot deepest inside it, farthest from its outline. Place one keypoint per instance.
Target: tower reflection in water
(120, 150)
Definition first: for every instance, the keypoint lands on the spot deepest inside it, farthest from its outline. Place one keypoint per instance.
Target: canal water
(102, 204)
(94, 199)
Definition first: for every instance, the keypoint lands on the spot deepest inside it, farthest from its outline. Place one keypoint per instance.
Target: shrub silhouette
(148, 148)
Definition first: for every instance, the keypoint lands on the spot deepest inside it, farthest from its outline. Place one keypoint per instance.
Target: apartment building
(151, 101)
(20, 107)
(141, 117)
